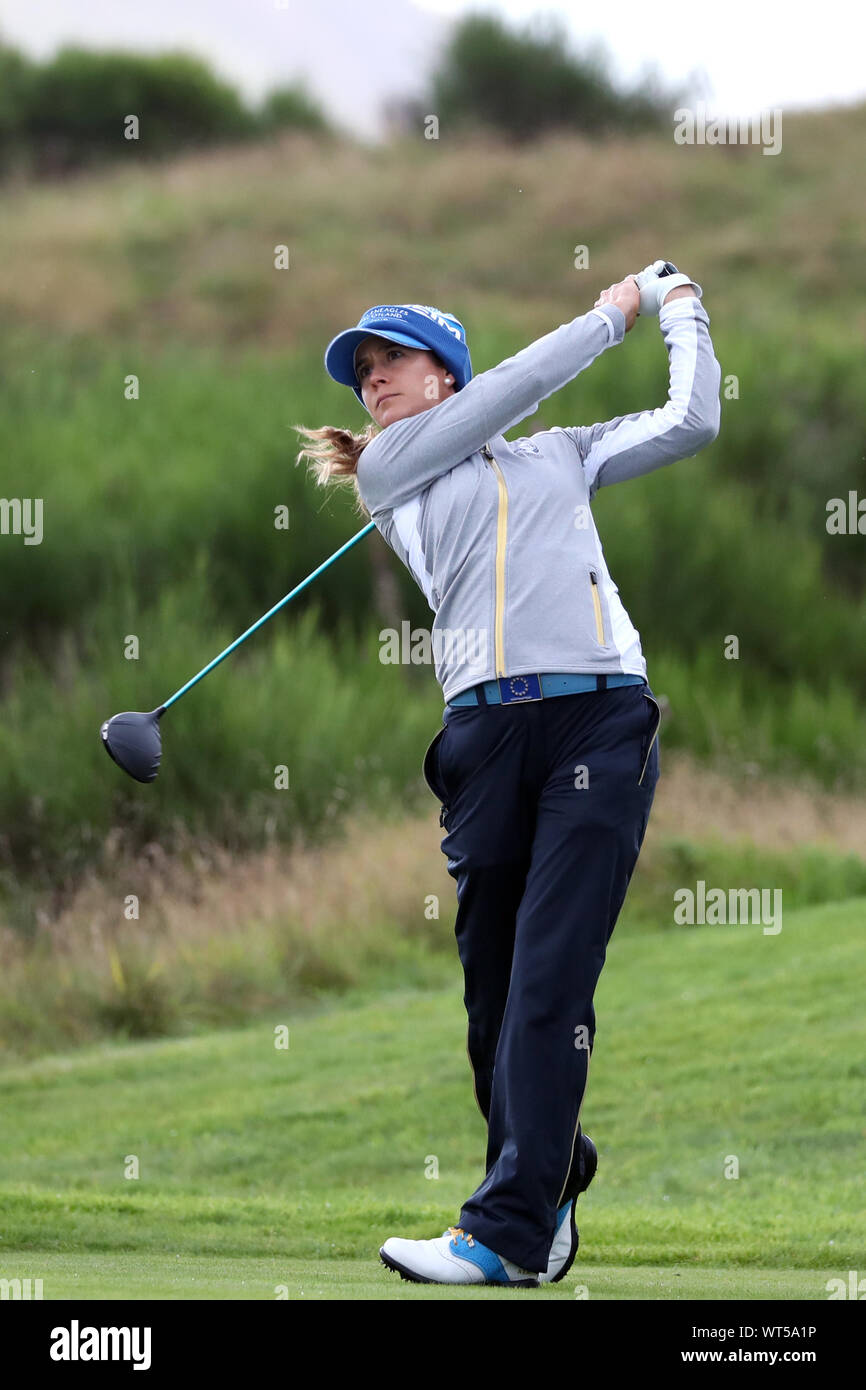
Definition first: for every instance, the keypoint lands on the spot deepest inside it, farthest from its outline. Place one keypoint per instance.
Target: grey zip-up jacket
(499, 536)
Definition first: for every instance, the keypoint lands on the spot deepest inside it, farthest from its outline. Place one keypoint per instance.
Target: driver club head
(133, 740)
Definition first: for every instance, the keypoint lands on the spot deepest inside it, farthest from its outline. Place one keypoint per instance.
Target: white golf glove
(656, 281)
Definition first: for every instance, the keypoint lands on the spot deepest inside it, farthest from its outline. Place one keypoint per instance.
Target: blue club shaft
(270, 613)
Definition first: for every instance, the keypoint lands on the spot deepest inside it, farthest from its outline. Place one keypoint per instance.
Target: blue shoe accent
(487, 1260)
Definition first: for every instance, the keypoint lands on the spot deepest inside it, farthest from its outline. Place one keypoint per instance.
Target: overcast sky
(749, 55)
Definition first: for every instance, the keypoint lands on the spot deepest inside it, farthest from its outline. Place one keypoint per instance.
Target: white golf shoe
(458, 1258)
(454, 1258)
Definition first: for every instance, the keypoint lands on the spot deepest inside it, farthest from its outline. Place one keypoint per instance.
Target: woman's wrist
(681, 292)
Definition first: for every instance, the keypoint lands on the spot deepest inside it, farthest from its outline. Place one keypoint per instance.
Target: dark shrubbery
(73, 110)
(524, 82)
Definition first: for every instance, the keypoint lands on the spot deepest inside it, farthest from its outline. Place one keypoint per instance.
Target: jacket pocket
(651, 733)
(597, 608)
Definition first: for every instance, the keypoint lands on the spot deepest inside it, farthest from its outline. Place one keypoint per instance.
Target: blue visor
(412, 325)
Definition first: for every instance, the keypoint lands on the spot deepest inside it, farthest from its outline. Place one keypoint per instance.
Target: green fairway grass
(174, 1277)
(264, 1169)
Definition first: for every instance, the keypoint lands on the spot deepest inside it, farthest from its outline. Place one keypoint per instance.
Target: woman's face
(412, 379)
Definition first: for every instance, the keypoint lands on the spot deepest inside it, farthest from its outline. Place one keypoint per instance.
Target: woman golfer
(548, 760)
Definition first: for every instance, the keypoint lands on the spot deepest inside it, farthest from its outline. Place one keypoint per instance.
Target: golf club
(133, 739)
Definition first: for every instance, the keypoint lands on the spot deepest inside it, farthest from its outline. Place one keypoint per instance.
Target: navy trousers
(545, 805)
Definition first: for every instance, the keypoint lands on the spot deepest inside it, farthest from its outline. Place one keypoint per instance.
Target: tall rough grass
(215, 939)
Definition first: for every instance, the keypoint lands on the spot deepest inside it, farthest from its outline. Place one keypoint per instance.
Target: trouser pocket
(654, 714)
(430, 772)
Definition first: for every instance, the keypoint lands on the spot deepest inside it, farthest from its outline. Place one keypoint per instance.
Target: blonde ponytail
(334, 455)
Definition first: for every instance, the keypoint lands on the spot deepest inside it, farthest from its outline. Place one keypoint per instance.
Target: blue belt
(511, 690)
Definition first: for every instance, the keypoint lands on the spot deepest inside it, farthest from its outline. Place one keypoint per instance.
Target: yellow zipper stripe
(501, 537)
(596, 603)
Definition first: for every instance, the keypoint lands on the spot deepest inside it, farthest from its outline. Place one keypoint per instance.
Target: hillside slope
(187, 249)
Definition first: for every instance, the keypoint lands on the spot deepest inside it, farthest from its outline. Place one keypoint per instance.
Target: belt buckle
(519, 689)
